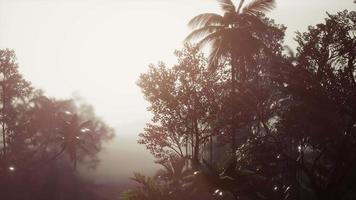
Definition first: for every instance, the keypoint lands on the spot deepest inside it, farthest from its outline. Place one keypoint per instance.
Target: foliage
(238, 37)
(173, 182)
(14, 91)
(294, 118)
(303, 152)
(147, 190)
(36, 131)
(233, 34)
(184, 102)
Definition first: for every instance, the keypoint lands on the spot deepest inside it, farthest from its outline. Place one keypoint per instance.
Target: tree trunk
(196, 145)
(211, 149)
(75, 160)
(3, 120)
(233, 95)
(3, 137)
(351, 69)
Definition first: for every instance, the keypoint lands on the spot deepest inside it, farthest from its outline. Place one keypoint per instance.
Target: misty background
(96, 50)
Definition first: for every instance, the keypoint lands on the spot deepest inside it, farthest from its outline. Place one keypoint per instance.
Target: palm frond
(217, 51)
(85, 149)
(227, 5)
(166, 165)
(256, 23)
(208, 39)
(85, 124)
(139, 178)
(205, 19)
(257, 6)
(202, 32)
(289, 51)
(240, 6)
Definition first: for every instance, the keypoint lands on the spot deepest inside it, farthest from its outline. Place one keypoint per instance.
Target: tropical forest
(242, 107)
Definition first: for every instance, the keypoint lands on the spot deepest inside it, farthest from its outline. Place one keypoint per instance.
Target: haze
(96, 49)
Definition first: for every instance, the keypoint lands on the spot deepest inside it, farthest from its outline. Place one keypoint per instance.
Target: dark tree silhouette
(74, 136)
(13, 90)
(184, 100)
(31, 159)
(303, 152)
(235, 37)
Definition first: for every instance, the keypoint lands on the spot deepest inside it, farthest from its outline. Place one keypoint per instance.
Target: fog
(97, 49)
(123, 156)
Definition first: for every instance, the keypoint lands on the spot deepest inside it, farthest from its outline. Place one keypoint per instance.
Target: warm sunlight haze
(94, 51)
(97, 48)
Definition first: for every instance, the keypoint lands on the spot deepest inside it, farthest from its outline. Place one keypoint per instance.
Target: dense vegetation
(253, 120)
(43, 139)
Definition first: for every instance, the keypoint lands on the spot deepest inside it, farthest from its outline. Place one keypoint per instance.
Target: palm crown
(74, 136)
(230, 35)
(233, 35)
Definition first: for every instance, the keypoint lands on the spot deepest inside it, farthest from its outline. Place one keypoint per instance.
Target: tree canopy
(294, 116)
(42, 136)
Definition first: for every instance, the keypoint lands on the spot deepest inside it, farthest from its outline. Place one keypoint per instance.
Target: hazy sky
(98, 48)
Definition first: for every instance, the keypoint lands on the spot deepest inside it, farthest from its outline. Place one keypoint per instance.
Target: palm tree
(231, 36)
(74, 137)
(148, 188)
(175, 169)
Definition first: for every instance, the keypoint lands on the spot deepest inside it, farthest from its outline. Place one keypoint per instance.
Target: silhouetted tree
(325, 89)
(184, 100)
(31, 163)
(234, 37)
(14, 89)
(303, 151)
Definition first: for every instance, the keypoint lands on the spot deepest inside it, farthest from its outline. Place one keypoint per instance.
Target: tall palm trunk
(233, 97)
(3, 120)
(240, 63)
(3, 138)
(216, 30)
(350, 69)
